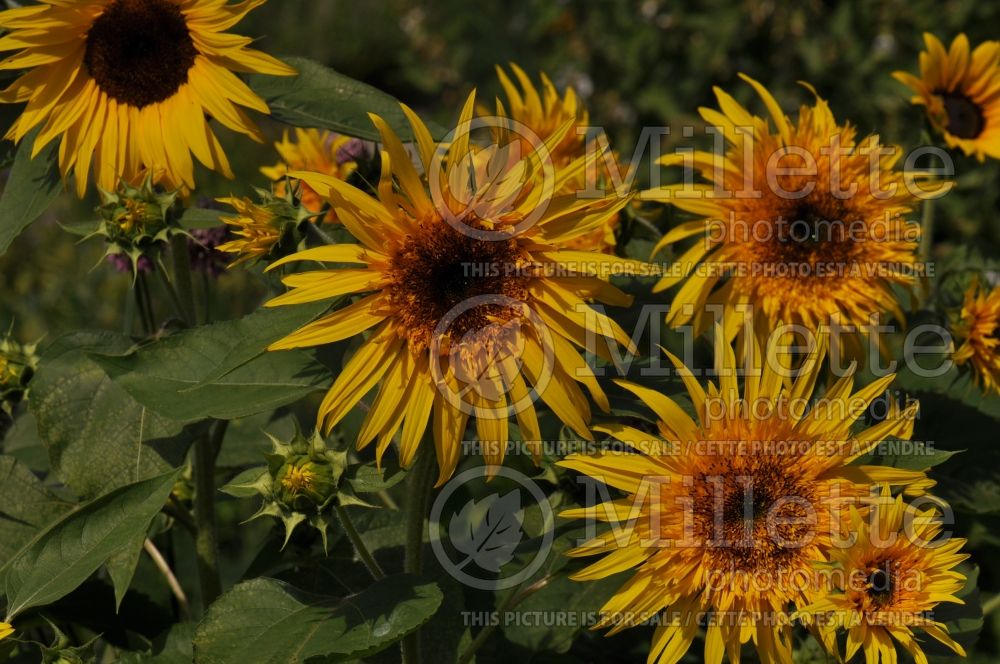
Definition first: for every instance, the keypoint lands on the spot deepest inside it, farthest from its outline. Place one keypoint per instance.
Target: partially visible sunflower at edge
(754, 488)
(791, 223)
(544, 112)
(978, 332)
(473, 303)
(317, 151)
(961, 93)
(898, 570)
(126, 85)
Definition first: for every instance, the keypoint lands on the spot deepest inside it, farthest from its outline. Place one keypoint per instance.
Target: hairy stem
(484, 634)
(182, 277)
(420, 484)
(168, 574)
(206, 540)
(359, 545)
(926, 243)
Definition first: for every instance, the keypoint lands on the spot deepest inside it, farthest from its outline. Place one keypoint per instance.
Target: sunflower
(543, 113)
(127, 84)
(978, 330)
(318, 151)
(726, 515)
(5, 630)
(961, 92)
(474, 306)
(257, 229)
(799, 224)
(891, 579)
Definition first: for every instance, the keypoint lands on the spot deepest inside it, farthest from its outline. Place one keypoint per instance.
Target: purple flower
(202, 252)
(354, 150)
(122, 263)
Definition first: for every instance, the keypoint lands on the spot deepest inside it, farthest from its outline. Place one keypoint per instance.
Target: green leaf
(31, 187)
(69, 551)
(199, 218)
(121, 567)
(267, 621)
(368, 478)
(221, 370)
(96, 435)
(242, 486)
(323, 98)
(26, 506)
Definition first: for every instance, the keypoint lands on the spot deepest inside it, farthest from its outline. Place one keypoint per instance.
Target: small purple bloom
(122, 263)
(202, 250)
(354, 150)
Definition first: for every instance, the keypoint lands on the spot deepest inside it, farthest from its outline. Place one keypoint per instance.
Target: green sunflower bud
(62, 652)
(301, 484)
(274, 227)
(137, 222)
(17, 365)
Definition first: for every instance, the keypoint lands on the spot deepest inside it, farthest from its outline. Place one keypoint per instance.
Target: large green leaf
(320, 97)
(267, 621)
(31, 187)
(73, 548)
(26, 506)
(221, 370)
(97, 436)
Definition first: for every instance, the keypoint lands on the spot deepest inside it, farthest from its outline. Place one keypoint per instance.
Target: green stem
(990, 605)
(206, 297)
(359, 545)
(172, 293)
(182, 277)
(484, 634)
(206, 539)
(145, 303)
(926, 245)
(420, 485)
(128, 323)
(140, 307)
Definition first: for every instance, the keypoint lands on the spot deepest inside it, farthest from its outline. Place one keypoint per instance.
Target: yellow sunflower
(127, 84)
(978, 331)
(5, 630)
(474, 307)
(801, 224)
(544, 113)
(317, 151)
(890, 581)
(257, 230)
(961, 92)
(726, 514)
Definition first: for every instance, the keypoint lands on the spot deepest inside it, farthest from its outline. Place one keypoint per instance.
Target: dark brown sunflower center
(443, 281)
(880, 584)
(811, 232)
(965, 117)
(755, 517)
(139, 52)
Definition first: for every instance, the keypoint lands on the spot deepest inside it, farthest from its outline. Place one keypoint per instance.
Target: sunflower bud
(136, 222)
(301, 484)
(17, 365)
(276, 226)
(63, 652)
